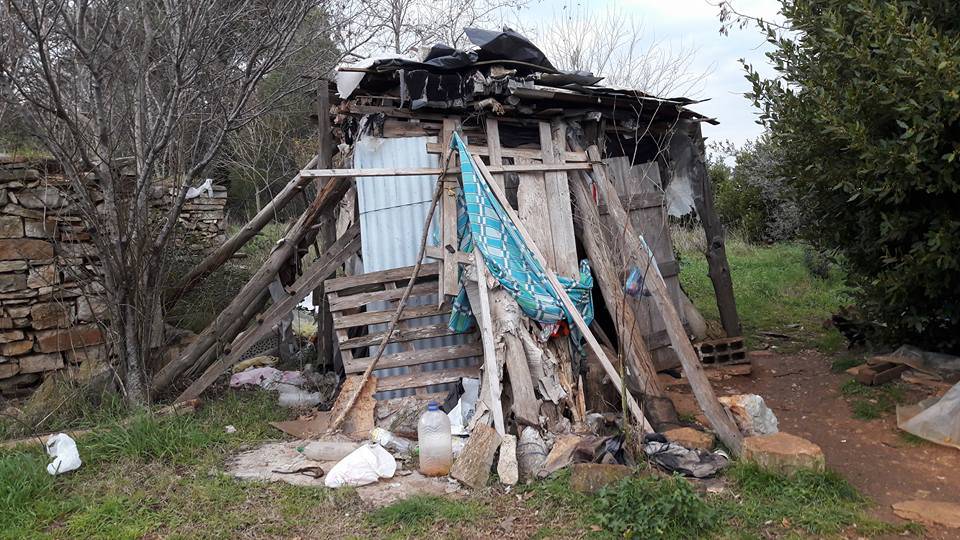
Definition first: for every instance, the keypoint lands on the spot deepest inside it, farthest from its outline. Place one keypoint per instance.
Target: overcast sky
(696, 22)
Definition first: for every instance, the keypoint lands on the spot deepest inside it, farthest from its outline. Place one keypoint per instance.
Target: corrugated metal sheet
(392, 213)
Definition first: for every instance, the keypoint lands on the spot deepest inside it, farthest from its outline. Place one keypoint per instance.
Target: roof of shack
(503, 72)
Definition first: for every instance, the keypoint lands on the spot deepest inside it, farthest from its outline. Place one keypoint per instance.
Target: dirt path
(871, 454)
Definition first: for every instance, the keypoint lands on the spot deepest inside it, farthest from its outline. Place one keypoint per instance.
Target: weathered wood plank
(341, 284)
(473, 465)
(416, 357)
(491, 368)
(565, 298)
(399, 335)
(380, 317)
(362, 299)
(434, 171)
(528, 153)
(553, 138)
(427, 378)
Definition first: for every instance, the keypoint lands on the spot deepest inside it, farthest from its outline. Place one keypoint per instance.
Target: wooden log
(327, 232)
(688, 161)
(223, 253)
(220, 329)
(592, 342)
(327, 264)
(719, 417)
(628, 330)
(432, 171)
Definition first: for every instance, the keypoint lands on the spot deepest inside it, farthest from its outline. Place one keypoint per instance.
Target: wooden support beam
(223, 253)
(327, 233)
(632, 404)
(432, 171)
(449, 274)
(220, 329)
(327, 264)
(720, 419)
(491, 368)
(629, 332)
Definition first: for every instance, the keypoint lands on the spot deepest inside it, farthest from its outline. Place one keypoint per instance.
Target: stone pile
(50, 311)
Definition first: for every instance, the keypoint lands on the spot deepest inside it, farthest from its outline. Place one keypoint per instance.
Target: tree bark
(688, 161)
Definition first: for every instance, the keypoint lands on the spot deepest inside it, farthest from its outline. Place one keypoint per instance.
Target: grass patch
(758, 504)
(775, 292)
(872, 402)
(159, 476)
(414, 516)
(807, 503)
(842, 364)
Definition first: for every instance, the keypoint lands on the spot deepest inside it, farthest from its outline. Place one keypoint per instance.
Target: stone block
(9, 336)
(11, 227)
(72, 338)
(86, 355)
(752, 415)
(91, 309)
(16, 348)
(6, 323)
(37, 363)
(34, 228)
(591, 477)
(13, 266)
(42, 198)
(12, 282)
(9, 369)
(783, 453)
(25, 249)
(52, 315)
(690, 438)
(43, 276)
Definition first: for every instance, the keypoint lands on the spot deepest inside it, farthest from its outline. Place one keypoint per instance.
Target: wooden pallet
(356, 302)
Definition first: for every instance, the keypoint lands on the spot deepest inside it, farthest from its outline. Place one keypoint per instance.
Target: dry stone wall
(50, 311)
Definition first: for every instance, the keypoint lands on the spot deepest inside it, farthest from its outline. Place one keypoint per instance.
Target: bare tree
(617, 46)
(406, 26)
(161, 83)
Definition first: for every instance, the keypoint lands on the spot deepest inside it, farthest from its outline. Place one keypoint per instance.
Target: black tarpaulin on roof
(507, 45)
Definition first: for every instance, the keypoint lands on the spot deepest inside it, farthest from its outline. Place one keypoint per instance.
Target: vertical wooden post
(327, 233)
(687, 157)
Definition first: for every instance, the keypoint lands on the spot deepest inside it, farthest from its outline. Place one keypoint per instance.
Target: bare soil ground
(873, 455)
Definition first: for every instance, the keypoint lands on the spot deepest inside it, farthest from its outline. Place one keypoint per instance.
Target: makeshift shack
(490, 218)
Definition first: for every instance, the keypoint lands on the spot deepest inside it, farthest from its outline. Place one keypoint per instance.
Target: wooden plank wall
(640, 189)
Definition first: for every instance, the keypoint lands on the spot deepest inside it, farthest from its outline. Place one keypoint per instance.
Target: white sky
(696, 22)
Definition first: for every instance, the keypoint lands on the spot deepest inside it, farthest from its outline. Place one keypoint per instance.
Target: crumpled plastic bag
(936, 420)
(267, 378)
(675, 458)
(63, 450)
(363, 466)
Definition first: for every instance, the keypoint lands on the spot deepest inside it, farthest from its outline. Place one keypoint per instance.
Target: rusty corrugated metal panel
(392, 214)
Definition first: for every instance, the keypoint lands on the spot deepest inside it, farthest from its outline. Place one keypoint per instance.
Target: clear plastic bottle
(436, 442)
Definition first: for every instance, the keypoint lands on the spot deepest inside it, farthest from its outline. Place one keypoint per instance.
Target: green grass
(757, 504)
(151, 475)
(775, 292)
(872, 402)
(414, 516)
(844, 363)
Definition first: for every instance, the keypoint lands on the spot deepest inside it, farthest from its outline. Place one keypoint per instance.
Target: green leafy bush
(647, 507)
(753, 197)
(865, 113)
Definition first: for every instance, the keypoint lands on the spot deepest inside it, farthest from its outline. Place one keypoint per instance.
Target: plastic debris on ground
(675, 458)
(934, 419)
(463, 412)
(255, 362)
(365, 465)
(393, 443)
(66, 457)
(268, 378)
(752, 415)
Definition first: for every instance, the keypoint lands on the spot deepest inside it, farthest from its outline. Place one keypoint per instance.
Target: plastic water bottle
(436, 442)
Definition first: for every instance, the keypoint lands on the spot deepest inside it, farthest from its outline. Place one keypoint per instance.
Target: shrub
(865, 113)
(753, 197)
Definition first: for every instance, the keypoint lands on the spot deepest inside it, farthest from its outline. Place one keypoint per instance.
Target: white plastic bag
(363, 466)
(64, 452)
(936, 420)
